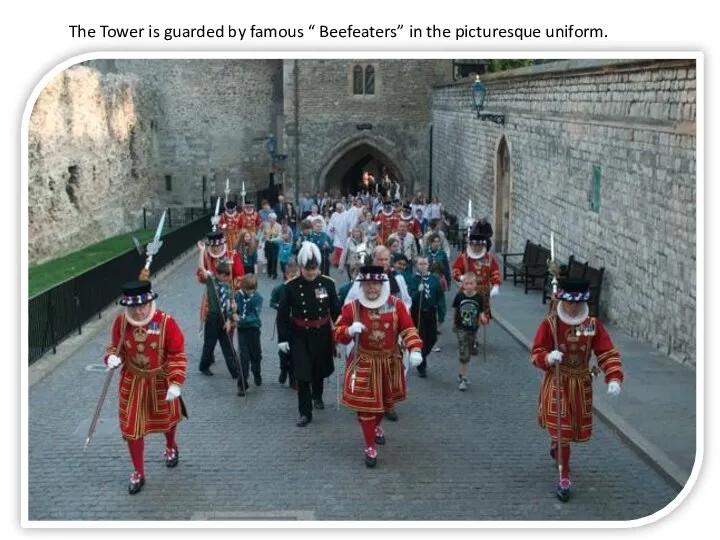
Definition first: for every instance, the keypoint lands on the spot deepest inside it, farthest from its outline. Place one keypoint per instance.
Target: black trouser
(307, 392)
(214, 332)
(271, 254)
(250, 353)
(249, 269)
(325, 263)
(286, 365)
(427, 327)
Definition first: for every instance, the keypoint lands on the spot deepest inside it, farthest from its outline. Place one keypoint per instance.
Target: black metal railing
(58, 312)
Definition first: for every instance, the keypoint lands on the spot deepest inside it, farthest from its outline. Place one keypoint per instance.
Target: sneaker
(462, 386)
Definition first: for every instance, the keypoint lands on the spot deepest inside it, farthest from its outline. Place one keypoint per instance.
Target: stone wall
(635, 120)
(322, 114)
(216, 116)
(91, 160)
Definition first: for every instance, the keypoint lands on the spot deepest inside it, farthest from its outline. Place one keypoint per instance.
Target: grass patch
(48, 274)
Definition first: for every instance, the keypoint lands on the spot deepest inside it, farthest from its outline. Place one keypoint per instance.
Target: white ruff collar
(224, 251)
(379, 301)
(474, 256)
(572, 321)
(145, 320)
(231, 214)
(386, 214)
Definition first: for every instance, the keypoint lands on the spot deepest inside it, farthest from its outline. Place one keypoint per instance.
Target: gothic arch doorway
(503, 196)
(343, 165)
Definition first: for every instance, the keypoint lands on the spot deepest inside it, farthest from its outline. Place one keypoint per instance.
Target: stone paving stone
(477, 455)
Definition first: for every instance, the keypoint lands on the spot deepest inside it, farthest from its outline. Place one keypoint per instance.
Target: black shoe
(392, 416)
(292, 384)
(370, 457)
(318, 404)
(304, 421)
(172, 457)
(241, 390)
(207, 372)
(563, 490)
(235, 377)
(379, 435)
(283, 377)
(258, 379)
(422, 373)
(136, 483)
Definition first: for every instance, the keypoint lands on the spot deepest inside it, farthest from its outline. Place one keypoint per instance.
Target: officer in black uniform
(307, 309)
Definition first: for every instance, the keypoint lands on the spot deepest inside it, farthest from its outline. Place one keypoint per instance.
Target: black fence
(56, 313)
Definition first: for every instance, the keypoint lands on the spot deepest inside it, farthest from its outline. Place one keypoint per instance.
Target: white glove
(461, 278)
(215, 220)
(356, 328)
(494, 290)
(613, 388)
(173, 392)
(113, 361)
(224, 226)
(284, 347)
(554, 356)
(415, 358)
(208, 274)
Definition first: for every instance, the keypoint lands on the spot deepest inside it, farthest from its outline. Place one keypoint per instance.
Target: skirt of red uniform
(379, 381)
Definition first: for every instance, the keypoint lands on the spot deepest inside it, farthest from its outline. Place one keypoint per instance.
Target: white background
(36, 37)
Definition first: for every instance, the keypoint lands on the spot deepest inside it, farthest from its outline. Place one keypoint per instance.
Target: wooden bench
(573, 269)
(578, 270)
(531, 268)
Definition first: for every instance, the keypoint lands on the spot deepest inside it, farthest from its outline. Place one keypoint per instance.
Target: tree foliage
(503, 65)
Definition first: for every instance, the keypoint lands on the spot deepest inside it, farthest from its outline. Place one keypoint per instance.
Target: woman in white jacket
(350, 254)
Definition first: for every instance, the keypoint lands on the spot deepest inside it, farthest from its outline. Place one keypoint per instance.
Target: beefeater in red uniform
(230, 224)
(387, 219)
(250, 219)
(153, 368)
(413, 224)
(374, 378)
(578, 337)
(478, 259)
(213, 251)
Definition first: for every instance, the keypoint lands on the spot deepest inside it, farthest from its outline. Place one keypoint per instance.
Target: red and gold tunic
(210, 263)
(231, 225)
(575, 378)
(250, 222)
(153, 358)
(487, 271)
(387, 224)
(380, 377)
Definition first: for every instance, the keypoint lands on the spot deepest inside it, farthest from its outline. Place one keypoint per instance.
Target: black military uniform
(306, 312)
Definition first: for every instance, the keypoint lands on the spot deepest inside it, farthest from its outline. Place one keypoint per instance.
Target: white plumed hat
(309, 255)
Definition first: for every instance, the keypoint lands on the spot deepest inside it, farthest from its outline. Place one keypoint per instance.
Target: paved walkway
(655, 412)
(477, 455)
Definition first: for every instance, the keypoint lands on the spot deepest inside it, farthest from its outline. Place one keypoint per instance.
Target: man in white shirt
(338, 229)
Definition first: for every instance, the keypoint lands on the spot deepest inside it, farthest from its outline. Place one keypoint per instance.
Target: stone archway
(503, 195)
(341, 167)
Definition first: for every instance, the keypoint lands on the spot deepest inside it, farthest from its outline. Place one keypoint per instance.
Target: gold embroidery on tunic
(377, 336)
(142, 361)
(140, 347)
(140, 334)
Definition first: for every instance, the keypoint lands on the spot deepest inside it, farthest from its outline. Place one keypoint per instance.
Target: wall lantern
(479, 92)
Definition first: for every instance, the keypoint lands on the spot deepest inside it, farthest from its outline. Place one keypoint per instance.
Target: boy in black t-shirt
(468, 315)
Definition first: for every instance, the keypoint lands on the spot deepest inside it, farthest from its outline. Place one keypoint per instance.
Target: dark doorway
(346, 174)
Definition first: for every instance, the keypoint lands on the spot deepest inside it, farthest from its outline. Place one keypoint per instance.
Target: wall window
(168, 182)
(363, 80)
